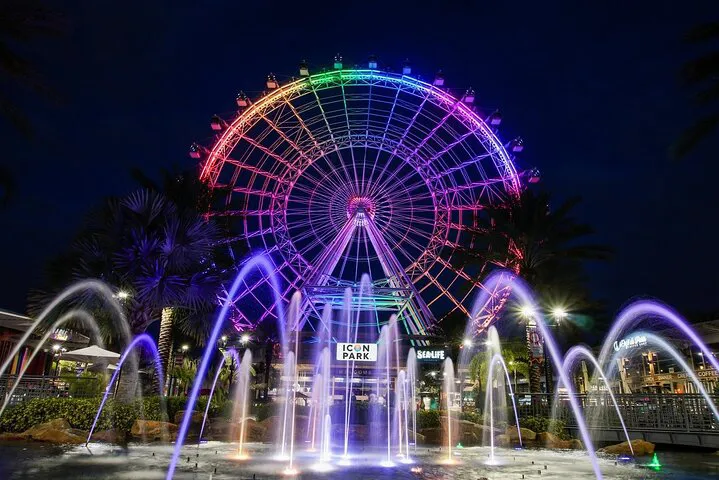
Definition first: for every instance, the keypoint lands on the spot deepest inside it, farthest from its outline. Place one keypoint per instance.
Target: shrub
(428, 419)
(544, 424)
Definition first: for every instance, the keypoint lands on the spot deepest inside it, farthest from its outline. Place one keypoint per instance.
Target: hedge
(80, 412)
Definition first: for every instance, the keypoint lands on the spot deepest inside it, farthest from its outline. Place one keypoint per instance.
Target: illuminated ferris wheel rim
(281, 173)
(234, 133)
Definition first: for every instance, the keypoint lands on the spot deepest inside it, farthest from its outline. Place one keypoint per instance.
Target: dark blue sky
(591, 87)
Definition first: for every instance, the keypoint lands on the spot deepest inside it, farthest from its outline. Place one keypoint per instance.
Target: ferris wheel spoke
(443, 292)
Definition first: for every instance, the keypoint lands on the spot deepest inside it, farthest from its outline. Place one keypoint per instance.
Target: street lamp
(559, 314)
(185, 347)
(527, 311)
(244, 338)
(467, 342)
(122, 295)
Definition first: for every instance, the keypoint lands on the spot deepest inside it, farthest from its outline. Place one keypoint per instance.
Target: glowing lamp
(56, 347)
(469, 96)
(304, 69)
(372, 62)
(272, 81)
(185, 348)
(216, 123)
(338, 62)
(559, 313)
(526, 311)
(195, 151)
(245, 338)
(467, 342)
(406, 68)
(438, 79)
(243, 100)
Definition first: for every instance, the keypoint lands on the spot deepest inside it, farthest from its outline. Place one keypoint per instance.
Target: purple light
(258, 260)
(642, 309)
(235, 357)
(519, 288)
(150, 345)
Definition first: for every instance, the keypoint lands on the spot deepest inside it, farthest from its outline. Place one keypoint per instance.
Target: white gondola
(517, 145)
(495, 118)
(243, 100)
(195, 151)
(406, 68)
(469, 96)
(304, 69)
(372, 62)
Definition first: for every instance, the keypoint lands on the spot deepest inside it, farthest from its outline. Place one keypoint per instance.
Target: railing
(33, 386)
(670, 412)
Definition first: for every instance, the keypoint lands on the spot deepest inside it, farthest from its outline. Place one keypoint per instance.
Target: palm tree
(542, 245)
(159, 258)
(701, 75)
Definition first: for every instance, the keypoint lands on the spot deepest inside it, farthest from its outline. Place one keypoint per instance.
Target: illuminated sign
(630, 342)
(431, 354)
(359, 352)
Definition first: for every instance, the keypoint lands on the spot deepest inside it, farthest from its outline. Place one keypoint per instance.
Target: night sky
(591, 88)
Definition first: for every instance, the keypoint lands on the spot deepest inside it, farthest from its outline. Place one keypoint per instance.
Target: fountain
(232, 353)
(256, 261)
(242, 399)
(494, 283)
(497, 359)
(149, 343)
(569, 358)
(449, 392)
(412, 379)
(87, 319)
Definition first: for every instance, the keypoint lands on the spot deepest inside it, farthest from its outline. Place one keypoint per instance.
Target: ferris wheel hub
(359, 207)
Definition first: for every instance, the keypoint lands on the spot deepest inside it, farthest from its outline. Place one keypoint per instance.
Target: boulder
(550, 440)
(219, 428)
(432, 436)
(195, 422)
(254, 431)
(12, 437)
(55, 431)
(502, 440)
(110, 436)
(527, 434)
(640, 447)
(154, 430)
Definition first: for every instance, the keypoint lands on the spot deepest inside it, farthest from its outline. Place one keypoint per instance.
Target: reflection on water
(214, 460)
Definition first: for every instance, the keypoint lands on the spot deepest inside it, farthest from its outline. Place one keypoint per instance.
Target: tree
(515, 358)
(701, 75)
(544, 246)
(158, 256)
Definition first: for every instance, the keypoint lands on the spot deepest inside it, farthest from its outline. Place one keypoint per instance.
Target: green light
(655, 463)
(459, 445)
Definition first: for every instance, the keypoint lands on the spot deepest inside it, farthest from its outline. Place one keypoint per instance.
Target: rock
(640, 447)
(527, 434)
(550, 440)
(502, 440)
(12, 437)
(254, 431)
(196, 418)
(55, 431)
(110, 436)
(219, 428)
(432, 436)
(154, 430)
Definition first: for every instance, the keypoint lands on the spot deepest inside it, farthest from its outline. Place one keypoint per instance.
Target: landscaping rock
(12, 437)
(527, 434)
(219, 428)
(641, 448)
(432, 436)
(55, 431)
(154, 430)
(110, 436)
(254, 431)
(550, 440)
(502, 440)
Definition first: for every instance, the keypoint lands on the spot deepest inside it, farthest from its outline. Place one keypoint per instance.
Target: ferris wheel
(354, 171)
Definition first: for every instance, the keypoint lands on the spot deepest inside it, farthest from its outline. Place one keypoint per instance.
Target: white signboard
(631, 342)
(359, 352)
(429, 355)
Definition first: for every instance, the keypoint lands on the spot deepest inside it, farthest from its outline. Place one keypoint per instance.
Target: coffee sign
(358, 352)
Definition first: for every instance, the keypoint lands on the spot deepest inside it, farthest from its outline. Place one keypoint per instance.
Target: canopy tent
(90, 354)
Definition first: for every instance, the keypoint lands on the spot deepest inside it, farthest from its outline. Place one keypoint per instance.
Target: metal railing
(35, 386)
(666, 412)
